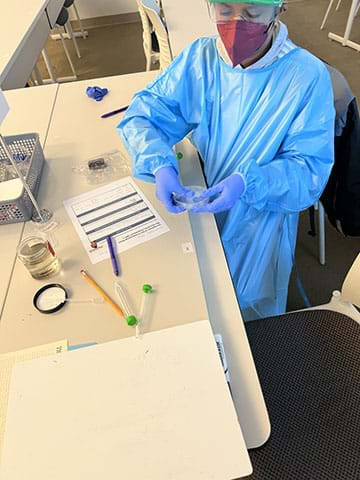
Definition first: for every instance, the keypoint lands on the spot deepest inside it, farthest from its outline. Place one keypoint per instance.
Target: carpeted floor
(109, 50)
(117, 49)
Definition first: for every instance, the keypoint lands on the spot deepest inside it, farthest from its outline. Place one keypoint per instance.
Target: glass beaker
(38, 257)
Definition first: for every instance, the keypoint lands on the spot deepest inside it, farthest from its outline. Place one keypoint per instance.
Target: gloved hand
(167, 183)
(226, 194)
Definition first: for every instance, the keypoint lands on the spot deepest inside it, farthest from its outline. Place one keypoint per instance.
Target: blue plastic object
(168, 183)
(20, 156)
(81, 345)
(274, 125)
(97, 93)
(223, 195)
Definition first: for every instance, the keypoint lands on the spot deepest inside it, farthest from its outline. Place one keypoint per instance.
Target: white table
(30, 111)
(24, 29)
(179, 299)
(186, 21)
(72, 140)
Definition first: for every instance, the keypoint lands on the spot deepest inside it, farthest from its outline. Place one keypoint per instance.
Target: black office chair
(341, 197)
(346, 118)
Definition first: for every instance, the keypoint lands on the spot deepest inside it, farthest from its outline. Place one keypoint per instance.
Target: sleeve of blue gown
(296, 177)
(160, 116)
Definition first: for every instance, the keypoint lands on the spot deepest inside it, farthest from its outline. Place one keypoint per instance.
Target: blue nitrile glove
(225, 193)
(167, 183)
(97, 93)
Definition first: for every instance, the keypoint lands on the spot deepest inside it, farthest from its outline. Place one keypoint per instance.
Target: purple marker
(114, 112)
(112, 256)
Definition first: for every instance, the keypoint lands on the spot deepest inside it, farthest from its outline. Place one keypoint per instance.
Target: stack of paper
(7, 362)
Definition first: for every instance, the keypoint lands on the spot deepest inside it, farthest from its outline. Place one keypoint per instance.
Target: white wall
(101, 8)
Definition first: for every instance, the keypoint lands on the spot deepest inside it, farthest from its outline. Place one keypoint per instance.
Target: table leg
(345, 39)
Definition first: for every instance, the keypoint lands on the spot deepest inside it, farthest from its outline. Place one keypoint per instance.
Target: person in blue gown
(259, 110)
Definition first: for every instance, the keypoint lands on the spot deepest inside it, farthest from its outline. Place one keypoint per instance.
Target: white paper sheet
(119, 209)
(7, 362)
(221, 350)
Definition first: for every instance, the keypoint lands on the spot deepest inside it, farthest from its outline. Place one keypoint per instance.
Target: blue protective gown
(273, 125)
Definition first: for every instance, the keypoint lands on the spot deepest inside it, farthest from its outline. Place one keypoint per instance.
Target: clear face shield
(221, 13)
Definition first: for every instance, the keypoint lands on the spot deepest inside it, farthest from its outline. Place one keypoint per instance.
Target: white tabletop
(224, 313)
(25, 116)
(186, 21)
(162, 262)
(16, 21)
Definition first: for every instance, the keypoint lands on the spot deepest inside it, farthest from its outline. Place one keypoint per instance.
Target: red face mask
(242, 39)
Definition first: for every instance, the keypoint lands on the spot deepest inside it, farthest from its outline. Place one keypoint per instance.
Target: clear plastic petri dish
(194, 198)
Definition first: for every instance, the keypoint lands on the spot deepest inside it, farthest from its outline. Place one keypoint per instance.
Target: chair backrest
(153, 12)
(350, 291)
(146, 34)
(343, 96)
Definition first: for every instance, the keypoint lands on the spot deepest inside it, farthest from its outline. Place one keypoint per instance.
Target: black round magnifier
(50, 298)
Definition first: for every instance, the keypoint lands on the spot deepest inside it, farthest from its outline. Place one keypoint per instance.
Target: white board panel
(154, 408)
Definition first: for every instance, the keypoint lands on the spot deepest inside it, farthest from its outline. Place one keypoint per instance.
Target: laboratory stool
(151, 53)
(63, 19)
(82, 33)
(69, 32)
(328, 11)
(67, 26)
(337, 8)
(152, 10)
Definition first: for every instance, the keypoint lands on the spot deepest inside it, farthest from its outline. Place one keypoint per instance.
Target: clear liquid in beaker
(39, 258)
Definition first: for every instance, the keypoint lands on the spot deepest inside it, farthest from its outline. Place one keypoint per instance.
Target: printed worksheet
(119, 210)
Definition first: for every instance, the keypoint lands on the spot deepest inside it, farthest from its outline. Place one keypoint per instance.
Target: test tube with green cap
(145, 307)
(130, 318)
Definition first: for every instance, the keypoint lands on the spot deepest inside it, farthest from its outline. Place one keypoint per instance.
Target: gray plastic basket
(20, 209)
